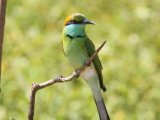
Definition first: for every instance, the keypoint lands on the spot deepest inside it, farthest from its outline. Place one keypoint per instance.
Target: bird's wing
(90, 48)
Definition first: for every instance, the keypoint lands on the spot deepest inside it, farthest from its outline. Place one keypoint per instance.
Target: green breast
(75, 51)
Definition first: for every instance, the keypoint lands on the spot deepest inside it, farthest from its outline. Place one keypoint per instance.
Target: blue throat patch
(74, 30)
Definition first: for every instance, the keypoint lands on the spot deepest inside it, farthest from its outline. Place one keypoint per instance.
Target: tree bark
(2, 23)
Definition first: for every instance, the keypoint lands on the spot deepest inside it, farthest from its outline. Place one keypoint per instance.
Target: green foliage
(131, 61)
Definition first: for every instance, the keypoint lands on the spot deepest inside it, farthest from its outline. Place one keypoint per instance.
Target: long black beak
(86, 21)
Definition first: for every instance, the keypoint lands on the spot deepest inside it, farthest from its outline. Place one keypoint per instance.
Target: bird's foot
(77, 73)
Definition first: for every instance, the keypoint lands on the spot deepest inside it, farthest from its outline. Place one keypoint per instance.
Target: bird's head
(77, 18)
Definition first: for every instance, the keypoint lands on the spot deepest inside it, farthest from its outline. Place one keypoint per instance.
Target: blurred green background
(131, 59)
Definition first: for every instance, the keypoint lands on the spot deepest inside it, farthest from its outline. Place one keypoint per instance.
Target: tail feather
(102, 111)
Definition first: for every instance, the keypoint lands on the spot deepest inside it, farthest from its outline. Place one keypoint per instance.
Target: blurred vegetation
(131, 59)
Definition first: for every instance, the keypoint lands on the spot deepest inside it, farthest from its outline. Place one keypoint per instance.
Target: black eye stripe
(74, 22)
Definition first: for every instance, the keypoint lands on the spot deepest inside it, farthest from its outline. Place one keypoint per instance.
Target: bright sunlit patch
(142, 12)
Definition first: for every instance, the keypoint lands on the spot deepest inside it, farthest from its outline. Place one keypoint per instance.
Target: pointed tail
(102, 111)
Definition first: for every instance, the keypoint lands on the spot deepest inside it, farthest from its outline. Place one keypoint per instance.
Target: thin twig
(35, 87)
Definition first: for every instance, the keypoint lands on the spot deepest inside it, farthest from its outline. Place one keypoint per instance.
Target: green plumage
(78, 48)
(90, 48)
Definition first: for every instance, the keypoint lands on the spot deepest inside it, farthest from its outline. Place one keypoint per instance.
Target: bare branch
(35, 87)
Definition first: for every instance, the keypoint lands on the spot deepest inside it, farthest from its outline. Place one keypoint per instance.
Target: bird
(78, 48)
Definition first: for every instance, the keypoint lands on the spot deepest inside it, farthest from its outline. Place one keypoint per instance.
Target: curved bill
(86, 21)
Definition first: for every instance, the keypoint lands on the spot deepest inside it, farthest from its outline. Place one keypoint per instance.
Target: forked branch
(35, 87)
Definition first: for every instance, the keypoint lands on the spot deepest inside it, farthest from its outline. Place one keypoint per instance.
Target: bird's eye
(74, 22)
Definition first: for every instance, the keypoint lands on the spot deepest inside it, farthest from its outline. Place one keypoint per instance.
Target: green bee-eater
(78, 48)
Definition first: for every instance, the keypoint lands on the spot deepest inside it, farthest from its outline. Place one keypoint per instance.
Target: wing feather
(89, 46)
